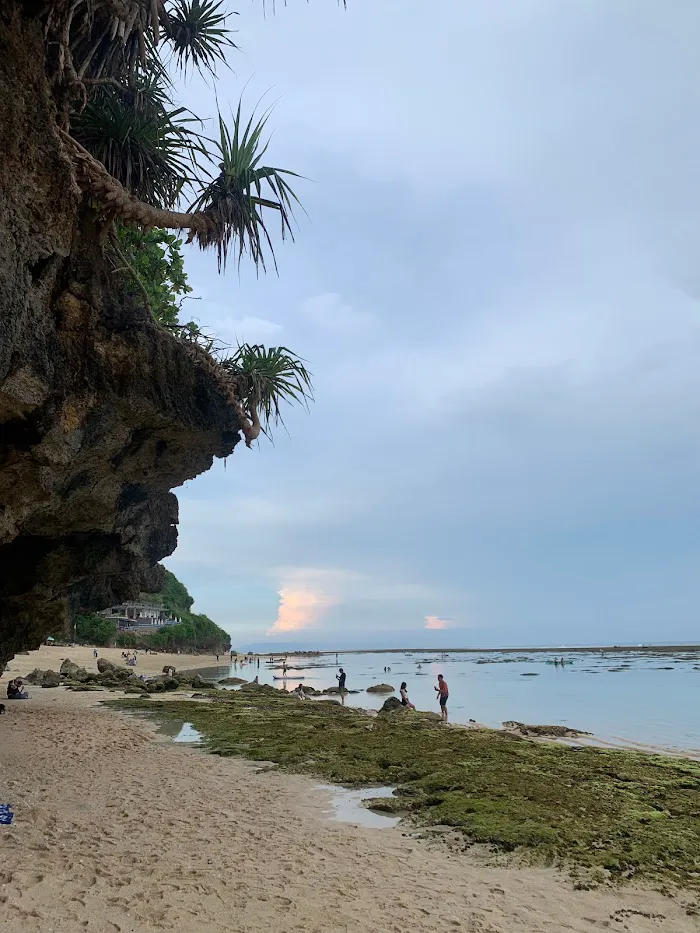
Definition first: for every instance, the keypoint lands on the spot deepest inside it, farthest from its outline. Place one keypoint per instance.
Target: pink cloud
(435, 622)
(298, 608)
(305, 594)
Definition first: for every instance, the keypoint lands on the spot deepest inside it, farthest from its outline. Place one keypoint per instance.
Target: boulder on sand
(113, 672)
(391, 704)
(35, 677)
(73, 671)
(381, 688)
(51, 679)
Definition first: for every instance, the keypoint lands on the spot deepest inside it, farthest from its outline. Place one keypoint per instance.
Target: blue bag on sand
(6, 814)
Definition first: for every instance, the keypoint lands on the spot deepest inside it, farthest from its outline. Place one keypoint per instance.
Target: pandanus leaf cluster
(146, 163)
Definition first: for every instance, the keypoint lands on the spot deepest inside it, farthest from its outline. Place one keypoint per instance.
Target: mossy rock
(547, 731)
(381, 688)
(233, 681)
(251, 688)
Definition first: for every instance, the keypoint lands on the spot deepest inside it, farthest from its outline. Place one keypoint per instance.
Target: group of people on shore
(243, 660)
(442, 689)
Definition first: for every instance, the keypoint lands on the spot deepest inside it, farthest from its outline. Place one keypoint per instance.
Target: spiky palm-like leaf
(144, 142)
(237, 196)
(197, 32)
(267, 377)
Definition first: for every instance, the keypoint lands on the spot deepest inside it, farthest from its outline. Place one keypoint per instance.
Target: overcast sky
(497, 290)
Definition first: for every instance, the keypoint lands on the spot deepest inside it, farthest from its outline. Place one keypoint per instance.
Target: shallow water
(636, 697)
(182, 732)
(347, 806)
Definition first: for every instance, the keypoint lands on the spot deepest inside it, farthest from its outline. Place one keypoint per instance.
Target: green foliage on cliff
(142, 157)
(156, 258)
(93, 629)
(195, 631)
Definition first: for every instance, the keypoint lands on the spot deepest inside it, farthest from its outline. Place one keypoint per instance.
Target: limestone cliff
(102, 412)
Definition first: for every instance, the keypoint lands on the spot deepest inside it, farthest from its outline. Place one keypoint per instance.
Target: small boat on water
(287, 678)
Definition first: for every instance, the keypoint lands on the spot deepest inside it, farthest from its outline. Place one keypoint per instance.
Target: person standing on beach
(443, 696)
(341, 684)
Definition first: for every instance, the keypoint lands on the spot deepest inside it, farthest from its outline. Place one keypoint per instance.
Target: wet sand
(117, 830)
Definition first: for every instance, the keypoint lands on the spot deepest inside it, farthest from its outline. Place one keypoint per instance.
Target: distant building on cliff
(139, 616)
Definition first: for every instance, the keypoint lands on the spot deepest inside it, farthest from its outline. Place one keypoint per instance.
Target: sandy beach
(49, 657)
(117, 829)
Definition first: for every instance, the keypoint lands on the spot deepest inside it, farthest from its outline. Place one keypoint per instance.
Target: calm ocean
(640, 697)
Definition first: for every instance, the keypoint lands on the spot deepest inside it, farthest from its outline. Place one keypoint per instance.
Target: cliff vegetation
(109, 397)
(195, 631)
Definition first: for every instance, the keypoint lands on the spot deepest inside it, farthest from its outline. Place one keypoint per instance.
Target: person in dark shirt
(443, 696)
(16, 691)
(341, 684)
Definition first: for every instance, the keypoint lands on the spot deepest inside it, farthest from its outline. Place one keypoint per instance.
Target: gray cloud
(497, 292)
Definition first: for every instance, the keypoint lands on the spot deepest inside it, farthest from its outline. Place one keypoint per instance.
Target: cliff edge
(102, 412)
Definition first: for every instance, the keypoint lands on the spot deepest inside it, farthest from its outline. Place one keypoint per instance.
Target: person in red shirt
(443, 696)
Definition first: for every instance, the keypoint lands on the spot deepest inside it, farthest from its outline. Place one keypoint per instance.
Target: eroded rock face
(102, 412)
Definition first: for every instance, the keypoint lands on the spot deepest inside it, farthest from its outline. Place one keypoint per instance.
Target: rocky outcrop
(34, 677)
(102, 412)
(391, 705)
(73, 671)
(381, 688)
(557, 732)
(51, 679)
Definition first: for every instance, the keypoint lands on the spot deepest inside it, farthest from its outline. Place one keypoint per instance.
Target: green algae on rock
(613, 814)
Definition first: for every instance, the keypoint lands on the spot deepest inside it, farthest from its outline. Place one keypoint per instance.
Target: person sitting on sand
(443, 696)
(15, 690)
(300, 692)
(404, 697)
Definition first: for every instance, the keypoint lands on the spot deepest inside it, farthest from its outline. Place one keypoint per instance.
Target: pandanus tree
(146, 164)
